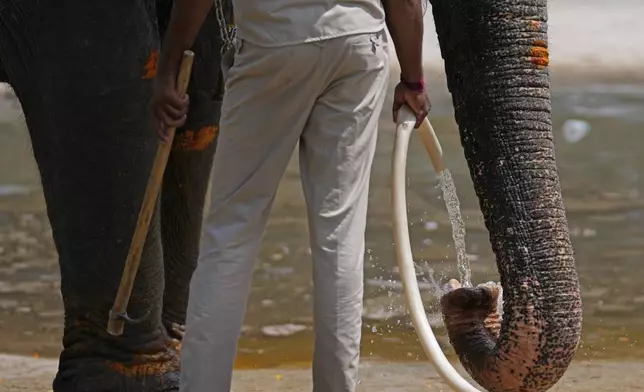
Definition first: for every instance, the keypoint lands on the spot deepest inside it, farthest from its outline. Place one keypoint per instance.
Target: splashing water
(458, 226)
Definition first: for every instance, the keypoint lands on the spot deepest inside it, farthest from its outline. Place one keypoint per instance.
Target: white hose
(406, 121)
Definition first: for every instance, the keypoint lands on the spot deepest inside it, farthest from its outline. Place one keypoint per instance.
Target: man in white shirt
(307, 71)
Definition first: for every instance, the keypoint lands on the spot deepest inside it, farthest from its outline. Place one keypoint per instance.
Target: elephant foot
(472, 312)
(143, 373)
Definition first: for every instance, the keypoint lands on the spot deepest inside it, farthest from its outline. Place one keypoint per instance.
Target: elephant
(84, 72)
(497, 70)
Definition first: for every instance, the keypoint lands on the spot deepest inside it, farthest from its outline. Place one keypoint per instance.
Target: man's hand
(169, 109)
(416, 100)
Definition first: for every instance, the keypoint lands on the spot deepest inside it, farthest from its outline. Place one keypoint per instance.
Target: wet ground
(34, 375)
(602, 174)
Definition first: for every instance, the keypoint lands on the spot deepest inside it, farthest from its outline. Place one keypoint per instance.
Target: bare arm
(169, 109)
(405, 22)
(185, 22)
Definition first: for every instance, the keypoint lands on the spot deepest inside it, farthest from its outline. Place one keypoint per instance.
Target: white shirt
(288, 22)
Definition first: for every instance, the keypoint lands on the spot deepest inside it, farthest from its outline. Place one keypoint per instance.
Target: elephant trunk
(496, 61)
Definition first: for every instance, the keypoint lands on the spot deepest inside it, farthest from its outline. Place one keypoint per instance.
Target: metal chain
(227, 30)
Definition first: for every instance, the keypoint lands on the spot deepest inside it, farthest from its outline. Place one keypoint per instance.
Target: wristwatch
(414, 86)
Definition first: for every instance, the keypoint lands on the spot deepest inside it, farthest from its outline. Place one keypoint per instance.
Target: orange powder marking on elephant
(535, 24)
(539, 54)
(195, 141)
(153, 366)
(151, 65)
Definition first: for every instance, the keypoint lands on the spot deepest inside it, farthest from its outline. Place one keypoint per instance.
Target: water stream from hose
(458, 227)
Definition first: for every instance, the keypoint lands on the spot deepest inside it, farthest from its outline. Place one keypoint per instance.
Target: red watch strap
(414, 86)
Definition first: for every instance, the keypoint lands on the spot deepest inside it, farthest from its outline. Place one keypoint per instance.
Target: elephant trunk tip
(472, 314)
(472, 317)
(510, 360)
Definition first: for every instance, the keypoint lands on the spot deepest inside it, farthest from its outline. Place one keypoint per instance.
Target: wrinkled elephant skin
(496, 61)
(83, 72)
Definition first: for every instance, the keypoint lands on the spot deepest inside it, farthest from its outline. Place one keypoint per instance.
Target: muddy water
(602, 173)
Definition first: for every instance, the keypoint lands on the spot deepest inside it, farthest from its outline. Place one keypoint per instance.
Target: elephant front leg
(188, 173)
(81, 73)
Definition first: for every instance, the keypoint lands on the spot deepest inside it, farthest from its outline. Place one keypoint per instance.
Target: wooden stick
(118, 314)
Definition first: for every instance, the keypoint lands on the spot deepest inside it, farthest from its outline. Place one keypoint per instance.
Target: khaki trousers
(327, 96)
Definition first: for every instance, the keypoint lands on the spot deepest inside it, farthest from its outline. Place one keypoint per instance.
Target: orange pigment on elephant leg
(195, 140)
(151, 65)
(539, 54)
(147, 365)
